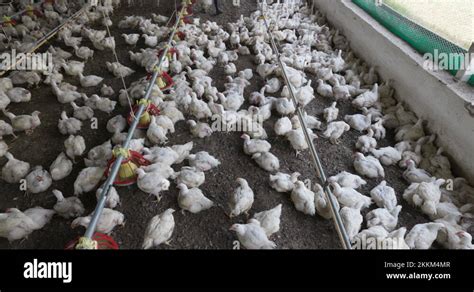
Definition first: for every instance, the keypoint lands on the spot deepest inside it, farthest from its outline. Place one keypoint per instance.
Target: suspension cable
(341, 231)
(124, 84)
(116, 166)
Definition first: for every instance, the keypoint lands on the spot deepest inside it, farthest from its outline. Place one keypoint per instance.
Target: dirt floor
(208, 229)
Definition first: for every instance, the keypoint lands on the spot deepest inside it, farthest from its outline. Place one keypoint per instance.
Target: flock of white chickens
(308, 50)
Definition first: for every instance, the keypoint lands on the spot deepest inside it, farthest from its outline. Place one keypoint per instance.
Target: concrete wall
(434, 96)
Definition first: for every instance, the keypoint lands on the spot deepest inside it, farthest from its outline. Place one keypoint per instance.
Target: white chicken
(25, 123)
(415, 175)
(335, 130)
(75, 146)
(6, 129)
(14, 170)
(190, 176)
(241, 199)
(350, 198)
(88, 179)
(164, 155)
(106, 90)
(199, 129)
(303, 199)
(283, 182)
(267, 161)
(203, 160)
(131, 39)
(388, 219)
(252, 146)
(331, 113)
(323, 206)
(269, 220)
(3, 148)
(70, 207)
(422, 236)
(159, 229)
(384, 196)
(15, 225)
(192, 200)
(324, 90)
(38, 180)
(368, 166)
(67, 125)
(359, 122)
(252, 235)
(90, 80)
(40, 215)
(119, 70)
(387, 155)
(283, 126)
(113, 198)
(347, 179)
(411, 132)
(82, 112)
(108, 220)
(183, 151)
(367, 99)
(151, 183)
(352, 220)
(156, 133)
(366, 142)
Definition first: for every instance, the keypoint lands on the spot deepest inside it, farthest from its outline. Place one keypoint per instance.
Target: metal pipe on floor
(341, 231)
(116, 166)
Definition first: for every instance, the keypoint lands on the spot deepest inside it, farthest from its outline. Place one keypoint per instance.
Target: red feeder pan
(100, 240)
(164, 81)
(132, 160)
(32, 11)
(188, 11)
(188, 19)
(8, 21)
(145, 119)
(180, 35)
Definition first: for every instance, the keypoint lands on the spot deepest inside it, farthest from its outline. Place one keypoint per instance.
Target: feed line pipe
(116, 166)
(19, 12)
(39, 43)
(341, 230)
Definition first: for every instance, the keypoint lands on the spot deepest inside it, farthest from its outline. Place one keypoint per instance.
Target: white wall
(434, 96)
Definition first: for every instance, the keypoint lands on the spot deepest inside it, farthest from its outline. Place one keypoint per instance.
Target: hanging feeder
(98, 241)
(188, 10)
(164, 81)
(31, 11)
(132, 160)
(179, 36)
(186, 20)
(145, 118)
(8, 21)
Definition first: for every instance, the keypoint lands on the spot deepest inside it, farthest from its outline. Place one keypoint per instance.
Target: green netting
(420, 38)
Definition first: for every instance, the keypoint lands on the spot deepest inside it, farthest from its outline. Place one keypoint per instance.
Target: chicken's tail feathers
(57, 193)
(9, 156)
(8, 114)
